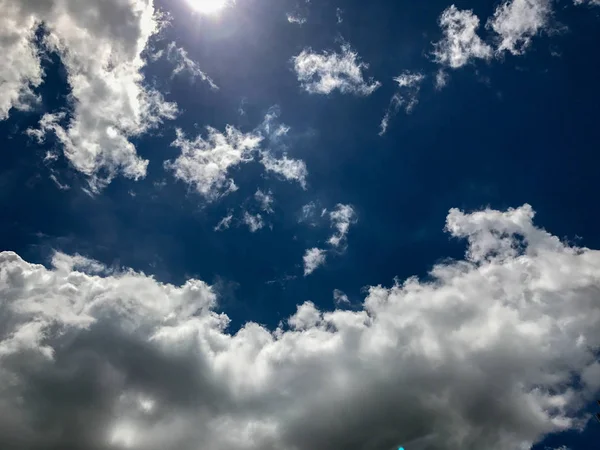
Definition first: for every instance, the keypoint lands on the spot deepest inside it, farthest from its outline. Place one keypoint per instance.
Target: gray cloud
(482, 354)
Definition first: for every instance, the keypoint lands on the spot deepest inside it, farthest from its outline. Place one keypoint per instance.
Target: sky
(299, 225)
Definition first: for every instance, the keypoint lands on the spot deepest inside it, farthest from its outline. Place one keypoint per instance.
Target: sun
(208, 6)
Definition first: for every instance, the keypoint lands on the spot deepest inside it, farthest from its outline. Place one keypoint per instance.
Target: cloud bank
(482, 354)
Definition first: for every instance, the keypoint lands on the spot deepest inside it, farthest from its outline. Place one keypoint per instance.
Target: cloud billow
(479, 355)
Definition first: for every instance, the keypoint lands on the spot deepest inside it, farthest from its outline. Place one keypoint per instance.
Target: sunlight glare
(208, 6)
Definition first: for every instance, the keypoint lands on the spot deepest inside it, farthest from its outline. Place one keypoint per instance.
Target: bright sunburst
(208, 6)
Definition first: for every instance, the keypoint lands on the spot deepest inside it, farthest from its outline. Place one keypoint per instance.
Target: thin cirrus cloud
(98, 358)
(110, 102)
(323, 73)
(407, 97)
(184, 64)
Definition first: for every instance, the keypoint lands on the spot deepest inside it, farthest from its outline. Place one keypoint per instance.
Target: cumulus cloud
(183, 64)
(481, 354)
(313, 258)
(341, 218)
(407, 96)
(265, 200)
(21, 71)
(100, 45)
(254, 221)
(204, 163)
(323, 73)
(460, 43)
(517, 21)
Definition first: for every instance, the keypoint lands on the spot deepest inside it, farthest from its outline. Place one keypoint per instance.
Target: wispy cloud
(183, 64)
(407, 96)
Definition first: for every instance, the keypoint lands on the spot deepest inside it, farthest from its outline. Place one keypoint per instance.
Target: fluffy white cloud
(289, 168)
(461, 43)
(482, 354)
(518, 21)
(313, 258)
(20, 72)
(407, 96)
(204, 163)
(265, 200)
(326, 72)
(341, 218)
(254, 221)
(100, 45)
(183, 64)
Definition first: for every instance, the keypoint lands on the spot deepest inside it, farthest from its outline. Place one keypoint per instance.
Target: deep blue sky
(501, 134)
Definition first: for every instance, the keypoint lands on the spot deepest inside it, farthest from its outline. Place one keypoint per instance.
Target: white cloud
(313, 258)
(517, 21)
(204, 163)
(265, 200)
(21, 71)
(461, 43)
(481, 354)
(441, 79)
(589, 2)
(339, 298)
(100, 45)
(341, 218)
(289, 168)
(326, 72)
(308, 212)
(407, 96)
(296, 18)
(224, 223)
(183, 63)
(254, 221)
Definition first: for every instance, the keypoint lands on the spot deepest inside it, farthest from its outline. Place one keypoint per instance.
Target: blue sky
(299, 224)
